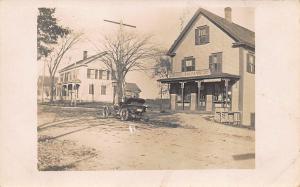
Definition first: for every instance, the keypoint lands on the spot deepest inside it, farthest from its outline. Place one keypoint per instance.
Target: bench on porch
(223, 115)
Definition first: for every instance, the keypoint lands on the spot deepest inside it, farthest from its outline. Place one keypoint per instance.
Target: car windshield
(135, 103)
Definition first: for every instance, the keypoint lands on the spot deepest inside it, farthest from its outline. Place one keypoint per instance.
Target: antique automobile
(131, 109)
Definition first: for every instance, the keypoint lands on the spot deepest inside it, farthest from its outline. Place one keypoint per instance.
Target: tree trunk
(52, 85)
(120, 89)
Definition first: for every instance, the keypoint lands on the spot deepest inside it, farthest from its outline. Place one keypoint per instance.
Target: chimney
(84, 54)
(228, 14)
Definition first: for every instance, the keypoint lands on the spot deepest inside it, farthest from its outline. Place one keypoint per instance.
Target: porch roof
(195, 78)
(70, 82)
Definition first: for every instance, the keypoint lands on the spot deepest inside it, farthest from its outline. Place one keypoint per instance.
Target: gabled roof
(133, 87)
(241, 35)
(83, 61)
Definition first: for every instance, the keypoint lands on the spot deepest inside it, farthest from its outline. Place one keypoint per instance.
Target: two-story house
(86, 80)
(89, 80)
(213, 66)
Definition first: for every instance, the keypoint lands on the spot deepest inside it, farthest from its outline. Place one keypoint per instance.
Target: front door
(209, 100)
(202, 99)
(184, 101)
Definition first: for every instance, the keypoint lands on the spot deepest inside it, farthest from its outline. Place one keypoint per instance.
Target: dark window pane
(103, 90)
(88, 73)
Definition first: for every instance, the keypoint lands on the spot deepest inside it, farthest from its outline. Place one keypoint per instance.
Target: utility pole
(121, 30)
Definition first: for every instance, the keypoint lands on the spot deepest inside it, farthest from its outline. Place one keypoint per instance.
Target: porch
(68, 91)
(213, 93)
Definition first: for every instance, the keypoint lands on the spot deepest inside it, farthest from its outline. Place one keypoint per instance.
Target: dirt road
(77, 140)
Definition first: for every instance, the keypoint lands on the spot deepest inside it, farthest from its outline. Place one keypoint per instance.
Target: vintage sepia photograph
(157, 88)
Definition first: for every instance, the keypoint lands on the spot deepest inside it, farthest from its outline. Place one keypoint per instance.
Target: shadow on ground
(66, 166)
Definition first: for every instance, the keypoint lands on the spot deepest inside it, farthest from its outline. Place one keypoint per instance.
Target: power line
(120, 23)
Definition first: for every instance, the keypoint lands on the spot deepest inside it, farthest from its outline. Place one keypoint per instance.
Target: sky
(161, 20)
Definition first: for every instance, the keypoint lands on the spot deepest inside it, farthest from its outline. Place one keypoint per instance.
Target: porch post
(72, 99)
(161, 90)
(182, 94)
(199, 87)
(68, 94)
(61, 92)
(75, 94)
(173, 95)
(226, 92)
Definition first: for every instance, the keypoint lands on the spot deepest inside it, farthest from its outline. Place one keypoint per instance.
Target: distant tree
(55, 57)
(48, 31)
(126, 52)
(162, 69)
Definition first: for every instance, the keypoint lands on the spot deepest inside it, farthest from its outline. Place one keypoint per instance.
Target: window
(89, 73)
(103, 90)
(104, 75)
(188, 64)
(91, 89)
(215, 63)
(202, 35)
(100, 74)
(250, 63)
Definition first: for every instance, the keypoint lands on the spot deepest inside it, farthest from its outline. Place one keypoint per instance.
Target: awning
(197, 78)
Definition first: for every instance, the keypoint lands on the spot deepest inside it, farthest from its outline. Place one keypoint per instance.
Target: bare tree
(56, 57)
(126, 52)
(162, 69)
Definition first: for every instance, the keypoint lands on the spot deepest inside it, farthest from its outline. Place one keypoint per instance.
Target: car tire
(105, 112)
(145, 119)
(124, 114)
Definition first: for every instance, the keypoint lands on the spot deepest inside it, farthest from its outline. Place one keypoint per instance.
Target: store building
(213, 66)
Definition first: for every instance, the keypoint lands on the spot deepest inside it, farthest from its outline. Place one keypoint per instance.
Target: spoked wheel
(105, 112)
(124, 114)
(145, 118)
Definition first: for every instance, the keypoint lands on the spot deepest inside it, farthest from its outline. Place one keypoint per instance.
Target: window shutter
(88, 73)
(207, 35)
(108, 74)
(210, 60)
(197, 36)
(183, 66)
(113, 74)
(219, 62)
(193, 64)
(248, 58)
(96, 74)
(219, 56)
(100, 74)
(248, 63)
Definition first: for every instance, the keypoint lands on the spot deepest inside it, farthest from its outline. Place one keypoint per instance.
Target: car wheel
(105, 112)
(145, 118)
(124, 114)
